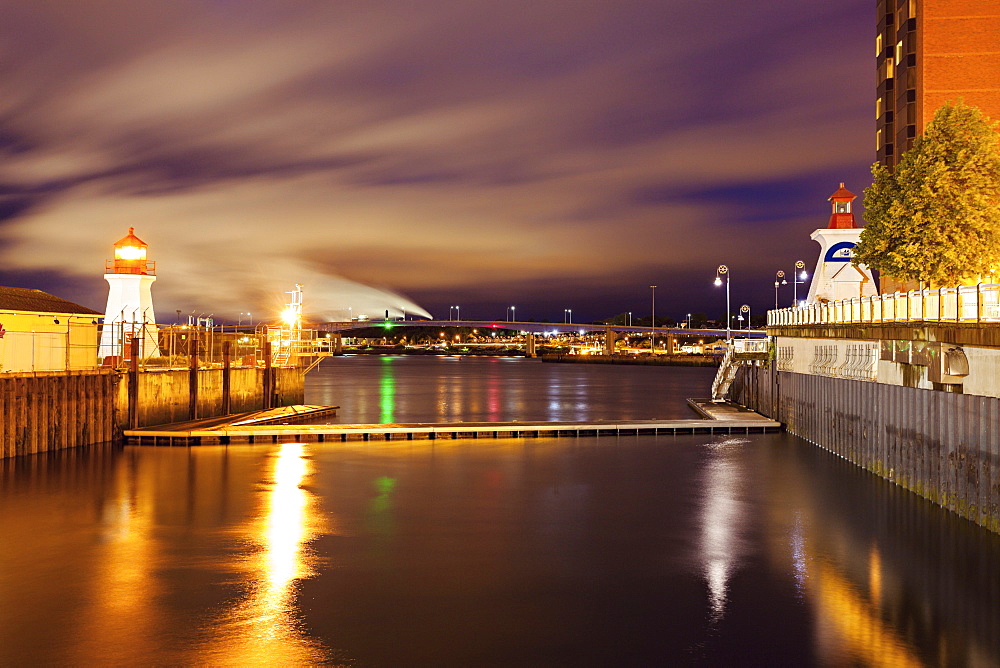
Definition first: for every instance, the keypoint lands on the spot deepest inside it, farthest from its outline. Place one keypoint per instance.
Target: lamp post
(512, 314)
(800, 272)
(779, 279)
(652, 338)
(746, 309)
(723, 270)
(630, 318)
(458, 312)
(689, 321)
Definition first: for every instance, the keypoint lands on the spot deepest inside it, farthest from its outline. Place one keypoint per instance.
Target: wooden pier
(276, 426)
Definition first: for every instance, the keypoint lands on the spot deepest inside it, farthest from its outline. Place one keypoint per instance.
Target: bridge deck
(242, 432)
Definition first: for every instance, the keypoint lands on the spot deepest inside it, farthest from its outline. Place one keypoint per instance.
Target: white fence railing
(750, 345)
(972, 303)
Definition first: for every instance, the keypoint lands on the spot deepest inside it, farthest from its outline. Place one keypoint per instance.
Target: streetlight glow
(652, 338)
(723, 270)
(800, 272)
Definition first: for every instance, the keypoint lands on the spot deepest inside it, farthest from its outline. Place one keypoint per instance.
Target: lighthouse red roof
(130, 240)
(843, 193)
(842, 218)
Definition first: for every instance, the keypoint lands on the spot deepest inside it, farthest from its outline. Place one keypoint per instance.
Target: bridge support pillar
(338, 344)
(529, 345)
(609, 342)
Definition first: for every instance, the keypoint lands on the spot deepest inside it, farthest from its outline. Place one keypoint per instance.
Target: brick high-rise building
(930, 52)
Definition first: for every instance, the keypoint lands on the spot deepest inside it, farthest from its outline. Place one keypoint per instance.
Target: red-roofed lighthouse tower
(835, 277)
(130, 303)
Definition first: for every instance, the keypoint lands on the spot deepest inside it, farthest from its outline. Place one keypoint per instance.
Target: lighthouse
(130, 305)
(835, 277)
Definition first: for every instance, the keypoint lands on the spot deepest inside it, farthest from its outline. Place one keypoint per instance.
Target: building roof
(36, 301)
(842, 193)
(130, 240)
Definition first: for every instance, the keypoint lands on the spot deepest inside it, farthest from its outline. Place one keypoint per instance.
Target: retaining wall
(55, 410)
(46, 411)
(943, 446)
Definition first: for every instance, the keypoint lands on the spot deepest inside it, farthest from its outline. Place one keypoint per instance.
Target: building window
(899, 52)
(890, 69)
(878, 107)
(912, 8)
(878, 45)
(878, 139)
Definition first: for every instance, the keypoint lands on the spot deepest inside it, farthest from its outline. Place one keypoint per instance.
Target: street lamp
(746, 309)
(630, 318)
(800, 272)
(458, 312)
(779, 279)
(689, 321)
(512, 314)
(723, 270)
(652, 338)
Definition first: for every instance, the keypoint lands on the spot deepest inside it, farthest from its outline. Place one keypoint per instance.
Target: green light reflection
(387, 392)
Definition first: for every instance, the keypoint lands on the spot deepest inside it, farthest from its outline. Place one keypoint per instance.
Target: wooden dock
(276, 428)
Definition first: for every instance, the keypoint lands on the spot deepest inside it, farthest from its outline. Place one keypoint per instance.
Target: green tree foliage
(936, 218)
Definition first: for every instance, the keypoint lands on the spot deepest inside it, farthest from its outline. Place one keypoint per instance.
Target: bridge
(532, 329)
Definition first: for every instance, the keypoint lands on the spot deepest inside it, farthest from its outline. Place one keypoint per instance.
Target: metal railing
(750, 345)
(971, 303)
(180, 346)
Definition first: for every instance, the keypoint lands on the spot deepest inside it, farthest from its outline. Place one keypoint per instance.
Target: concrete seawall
(943, 446)
(45, 411)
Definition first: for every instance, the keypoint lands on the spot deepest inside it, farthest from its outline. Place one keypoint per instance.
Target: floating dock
(284, 425)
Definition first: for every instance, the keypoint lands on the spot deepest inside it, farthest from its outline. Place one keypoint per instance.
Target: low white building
(42, 332)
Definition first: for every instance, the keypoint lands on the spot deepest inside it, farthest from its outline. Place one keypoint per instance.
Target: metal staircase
(725, 375)
(738, 353)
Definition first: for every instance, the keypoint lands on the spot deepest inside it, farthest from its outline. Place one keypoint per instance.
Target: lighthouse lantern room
(129, 313)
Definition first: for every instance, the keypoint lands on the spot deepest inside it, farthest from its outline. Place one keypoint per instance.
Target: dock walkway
(275, 428)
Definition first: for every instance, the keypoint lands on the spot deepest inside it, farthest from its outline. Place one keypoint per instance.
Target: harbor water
(592, 551)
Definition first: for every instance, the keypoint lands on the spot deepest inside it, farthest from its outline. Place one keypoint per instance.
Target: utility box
(950, 365)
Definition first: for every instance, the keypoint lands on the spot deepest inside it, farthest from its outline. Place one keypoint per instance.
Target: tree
(936, 218)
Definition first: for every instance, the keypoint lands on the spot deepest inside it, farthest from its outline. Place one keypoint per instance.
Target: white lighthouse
(835, 277)
(130, 305)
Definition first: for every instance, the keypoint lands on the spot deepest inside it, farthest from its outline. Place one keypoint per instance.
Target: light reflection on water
(635, 550)
(722, 520)
(264, 627)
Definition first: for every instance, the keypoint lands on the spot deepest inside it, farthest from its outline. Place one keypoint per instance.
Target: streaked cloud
(453, 151)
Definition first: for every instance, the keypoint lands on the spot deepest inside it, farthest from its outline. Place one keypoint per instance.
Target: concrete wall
(47, 411)
(941, 445)
(163, 395)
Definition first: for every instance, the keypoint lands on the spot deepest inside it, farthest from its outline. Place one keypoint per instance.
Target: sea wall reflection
(863, 555)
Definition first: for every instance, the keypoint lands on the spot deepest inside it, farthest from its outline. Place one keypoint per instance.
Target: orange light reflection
(264, 627)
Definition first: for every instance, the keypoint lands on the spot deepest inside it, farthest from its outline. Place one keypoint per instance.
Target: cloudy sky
(537, 153)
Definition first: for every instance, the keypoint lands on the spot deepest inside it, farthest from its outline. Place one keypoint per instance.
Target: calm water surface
(629, 551)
